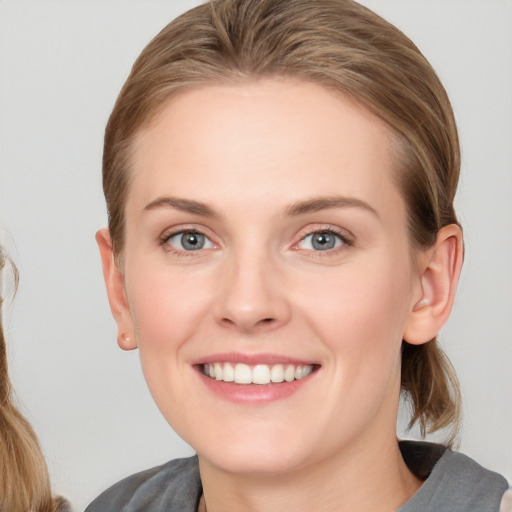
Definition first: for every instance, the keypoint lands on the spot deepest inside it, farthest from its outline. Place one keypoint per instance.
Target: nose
(252, 296)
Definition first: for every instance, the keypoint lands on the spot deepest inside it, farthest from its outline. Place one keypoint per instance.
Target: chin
(256, 452)
(252, 462)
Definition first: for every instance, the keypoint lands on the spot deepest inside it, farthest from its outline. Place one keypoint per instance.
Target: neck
(355, 482)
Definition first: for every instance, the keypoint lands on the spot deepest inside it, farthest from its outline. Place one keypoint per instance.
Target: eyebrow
(297, 208)
(184, 205)
(323, 203)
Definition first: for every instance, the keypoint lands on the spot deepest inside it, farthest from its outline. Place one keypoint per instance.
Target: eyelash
(346, 241)
(164, 241)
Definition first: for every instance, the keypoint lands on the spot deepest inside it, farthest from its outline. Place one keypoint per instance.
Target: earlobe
(440, 270)
(125, 341)
(114, 282)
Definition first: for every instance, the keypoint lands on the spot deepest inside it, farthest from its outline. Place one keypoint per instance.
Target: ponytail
(431, 385)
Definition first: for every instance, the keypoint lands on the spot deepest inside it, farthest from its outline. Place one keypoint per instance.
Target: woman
(24, 481)
(283, 250)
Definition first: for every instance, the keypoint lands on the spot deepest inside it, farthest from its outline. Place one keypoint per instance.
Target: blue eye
(189, 241)
(321, 241)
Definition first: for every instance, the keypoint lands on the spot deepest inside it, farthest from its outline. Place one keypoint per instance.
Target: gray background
(62, 63)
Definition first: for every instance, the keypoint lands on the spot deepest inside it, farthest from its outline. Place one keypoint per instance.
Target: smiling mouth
(262, 374)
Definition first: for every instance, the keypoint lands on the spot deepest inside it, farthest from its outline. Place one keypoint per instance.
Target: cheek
(167, 310)
(361, 314)
(167, 307)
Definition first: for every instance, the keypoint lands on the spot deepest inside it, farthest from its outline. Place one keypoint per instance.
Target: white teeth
(289, 373)
(261, 374)
(303, 371)
(243, 374)
(229, 373)
(257, 374)
(277, 373)
(306, 370)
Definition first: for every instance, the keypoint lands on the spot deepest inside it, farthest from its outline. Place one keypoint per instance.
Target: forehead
(250, 140)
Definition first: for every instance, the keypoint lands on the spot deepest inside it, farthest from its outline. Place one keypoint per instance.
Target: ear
(114, 281)
(440, 270)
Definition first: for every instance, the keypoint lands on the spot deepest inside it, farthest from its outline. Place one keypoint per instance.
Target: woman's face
(266, 240)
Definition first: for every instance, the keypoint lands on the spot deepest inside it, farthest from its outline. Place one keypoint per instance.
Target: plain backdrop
(62, 63)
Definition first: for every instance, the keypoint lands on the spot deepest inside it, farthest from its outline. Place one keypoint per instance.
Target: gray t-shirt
(453, 483)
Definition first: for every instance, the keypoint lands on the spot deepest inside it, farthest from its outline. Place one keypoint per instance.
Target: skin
(251, 153)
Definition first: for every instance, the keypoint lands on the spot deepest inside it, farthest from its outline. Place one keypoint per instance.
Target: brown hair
(24, 481)
(348, 49)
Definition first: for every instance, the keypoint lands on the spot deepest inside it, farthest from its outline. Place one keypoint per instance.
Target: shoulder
(471, 483)
(174, 486)
(456, 483)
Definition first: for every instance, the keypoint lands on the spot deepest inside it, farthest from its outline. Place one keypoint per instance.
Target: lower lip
(254, 394)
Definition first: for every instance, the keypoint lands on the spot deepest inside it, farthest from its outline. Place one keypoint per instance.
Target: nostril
(248, 325)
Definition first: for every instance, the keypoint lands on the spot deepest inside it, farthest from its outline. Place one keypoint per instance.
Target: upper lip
(251, 359)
